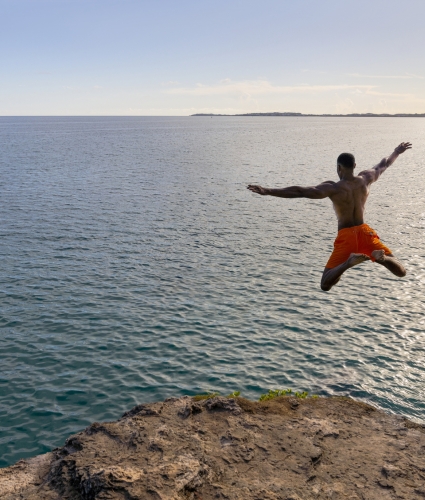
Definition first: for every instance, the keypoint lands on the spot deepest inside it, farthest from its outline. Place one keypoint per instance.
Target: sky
(179, 57)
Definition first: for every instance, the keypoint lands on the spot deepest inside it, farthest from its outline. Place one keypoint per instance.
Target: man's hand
(401, 148)
(258, 189)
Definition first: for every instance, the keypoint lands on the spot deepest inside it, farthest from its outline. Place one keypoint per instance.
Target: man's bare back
(349, 200)
(349, 196)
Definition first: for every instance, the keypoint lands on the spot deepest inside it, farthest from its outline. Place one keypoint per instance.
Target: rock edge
(232, 448)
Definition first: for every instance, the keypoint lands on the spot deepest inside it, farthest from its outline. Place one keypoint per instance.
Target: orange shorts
(356, 239)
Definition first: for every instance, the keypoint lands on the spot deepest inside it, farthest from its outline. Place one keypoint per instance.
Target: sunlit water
(135, 265)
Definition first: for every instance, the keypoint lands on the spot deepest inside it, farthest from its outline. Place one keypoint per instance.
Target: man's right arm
(323, 190)
(374, 173)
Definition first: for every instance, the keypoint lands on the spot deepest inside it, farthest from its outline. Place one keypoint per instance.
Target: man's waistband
(355, 229)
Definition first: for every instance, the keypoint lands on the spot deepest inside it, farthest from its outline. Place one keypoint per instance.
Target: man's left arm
(374, 173)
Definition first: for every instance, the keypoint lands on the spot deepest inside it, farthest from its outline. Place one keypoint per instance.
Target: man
(356, 241)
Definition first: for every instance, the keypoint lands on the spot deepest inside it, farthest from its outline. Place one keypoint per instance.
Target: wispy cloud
(258, 87)
(406, 76)
(390, 94)
(170, 83)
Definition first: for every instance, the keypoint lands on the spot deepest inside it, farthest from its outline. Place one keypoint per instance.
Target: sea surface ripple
(135, 265)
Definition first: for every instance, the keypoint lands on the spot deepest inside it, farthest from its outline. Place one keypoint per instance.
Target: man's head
(345, 162)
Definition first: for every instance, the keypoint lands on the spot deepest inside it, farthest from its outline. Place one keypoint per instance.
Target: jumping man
(356, 241)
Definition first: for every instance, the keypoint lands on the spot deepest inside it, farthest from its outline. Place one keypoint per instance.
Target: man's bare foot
(378, 255)
(331, 276)
(356, 258)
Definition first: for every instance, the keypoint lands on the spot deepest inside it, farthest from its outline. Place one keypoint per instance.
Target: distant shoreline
(351, 115)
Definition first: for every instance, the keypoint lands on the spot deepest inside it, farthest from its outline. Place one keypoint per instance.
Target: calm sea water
(135, 266)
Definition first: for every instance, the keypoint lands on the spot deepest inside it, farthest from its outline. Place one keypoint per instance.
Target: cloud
(170, 83)
(406, 76)
(258, 87)
(389, 94)
(345, 106)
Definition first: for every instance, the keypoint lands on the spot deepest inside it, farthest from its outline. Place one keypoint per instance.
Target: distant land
(366, 115)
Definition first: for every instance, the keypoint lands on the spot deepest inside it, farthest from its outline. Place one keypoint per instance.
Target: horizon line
(274, 113)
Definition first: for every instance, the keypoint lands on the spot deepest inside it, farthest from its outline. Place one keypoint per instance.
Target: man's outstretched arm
(374, 173)
(321, 191)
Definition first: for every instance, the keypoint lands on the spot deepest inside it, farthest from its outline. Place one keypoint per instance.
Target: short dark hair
(347, 160)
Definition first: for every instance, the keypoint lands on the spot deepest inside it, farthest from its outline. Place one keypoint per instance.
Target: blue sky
(163, 57)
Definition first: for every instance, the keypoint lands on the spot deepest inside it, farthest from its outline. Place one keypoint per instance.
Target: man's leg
(390, 262)
(331, 277)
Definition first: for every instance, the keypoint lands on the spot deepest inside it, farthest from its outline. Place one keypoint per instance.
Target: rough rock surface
(288, 449)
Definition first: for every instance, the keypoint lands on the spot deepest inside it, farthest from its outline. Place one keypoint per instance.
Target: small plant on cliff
(301, 395)
(283, 392)
(214, 394)
(271, 394)
(208, 395)
(274, 394)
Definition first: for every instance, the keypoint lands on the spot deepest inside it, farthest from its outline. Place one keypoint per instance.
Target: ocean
(135, 265)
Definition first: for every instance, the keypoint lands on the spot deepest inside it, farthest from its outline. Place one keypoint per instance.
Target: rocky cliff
(224, 448)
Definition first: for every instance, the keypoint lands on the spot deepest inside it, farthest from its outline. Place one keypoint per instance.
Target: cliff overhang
(232, 448)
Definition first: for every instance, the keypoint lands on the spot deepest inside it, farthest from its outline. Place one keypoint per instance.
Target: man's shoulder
(330, 188)
(366, 176)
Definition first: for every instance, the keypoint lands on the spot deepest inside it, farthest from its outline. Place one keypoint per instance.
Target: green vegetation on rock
(271, 394)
